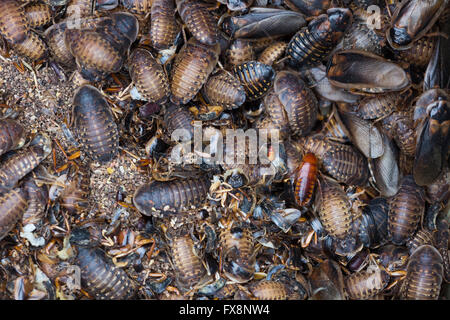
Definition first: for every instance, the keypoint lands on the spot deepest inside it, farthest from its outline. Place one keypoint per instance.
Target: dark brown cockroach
(102, 51)
(364, 135)
(345, 164)
(199, 20)
(75, 196)
(77, 9)
(269, 290)
(38, 14)
(14, 26)
(432, 116)
(239, 52)
(308, 7)
(313, 43)
(333, 207)
(380, 106)
(149, 76)
(420, 238)
(12, 135)
(225, 90)
(354, 70)
(24, 161)
(171, 196)
(32, 47)
(361, 36)
(163, 26)
(101, 278)
(273, 53)
(12, 206)
(423, 275)
(276, 117)
(238, 254)
(305, 178)
(37, 197)
(366, 284)
(192, 67)
(411, 20)
(178, 118)
(94, 124)
(401, 127)
(373, 223)
(186, 262)
(441, 239)
(406, 210)
(419, 54)
(263, 23)
(335, 128)
(54, 37)
(256, 77)
(137, 6)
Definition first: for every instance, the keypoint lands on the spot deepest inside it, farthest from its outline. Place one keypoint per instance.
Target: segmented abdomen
(12, 206)
(307, 48)
(164, 27)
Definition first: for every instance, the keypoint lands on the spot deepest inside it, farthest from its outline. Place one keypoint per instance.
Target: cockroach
(423, 275)
(305, 178)
(101, 278)
(138, 7)
(276, 117)
(14, 26)
(366, 284)
(400, 126)
(441, 239)
(24, 161)
(313, 43)
(199, 21)
(12, 135)
(171, 196)
(163, 26)
(373, 223)
(38, 14)
(178, 118)
(406, 210)
(273, 53)
(256, 77)
(362, 37)
(192, 66)
(354, 69)
(269, 290)
(225, 90)
(32, 47)
(149, 76)
(308, 7)
(377, 107)
(37, 197)
(239, 52)
(411, 20)
(94, 124)
(238, 254)
(263, 23)
(102, 51)
(420, 53)
(13, 204)
(186, 262)
(298, 100)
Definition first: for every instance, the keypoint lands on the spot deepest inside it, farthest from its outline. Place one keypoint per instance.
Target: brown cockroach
(199, 20)
(163, 26)
(423, 275)
(225, 90)
(192, 66)
(238, 254)
(94, 124)
(149, 76)
(171, 196)
(12, 207)
(12, 135)
(256, 78)
(367, 283)
(38, 14)
(37, 197)
(14, 26)
(421, 237)
(406, 211)
(239, 52)
(138, 7)
(273, 53)
(305, 178)
(24, 161)
(75, 196)
(32, 47)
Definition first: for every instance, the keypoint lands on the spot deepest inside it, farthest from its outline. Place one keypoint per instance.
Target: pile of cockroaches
(351, 202)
